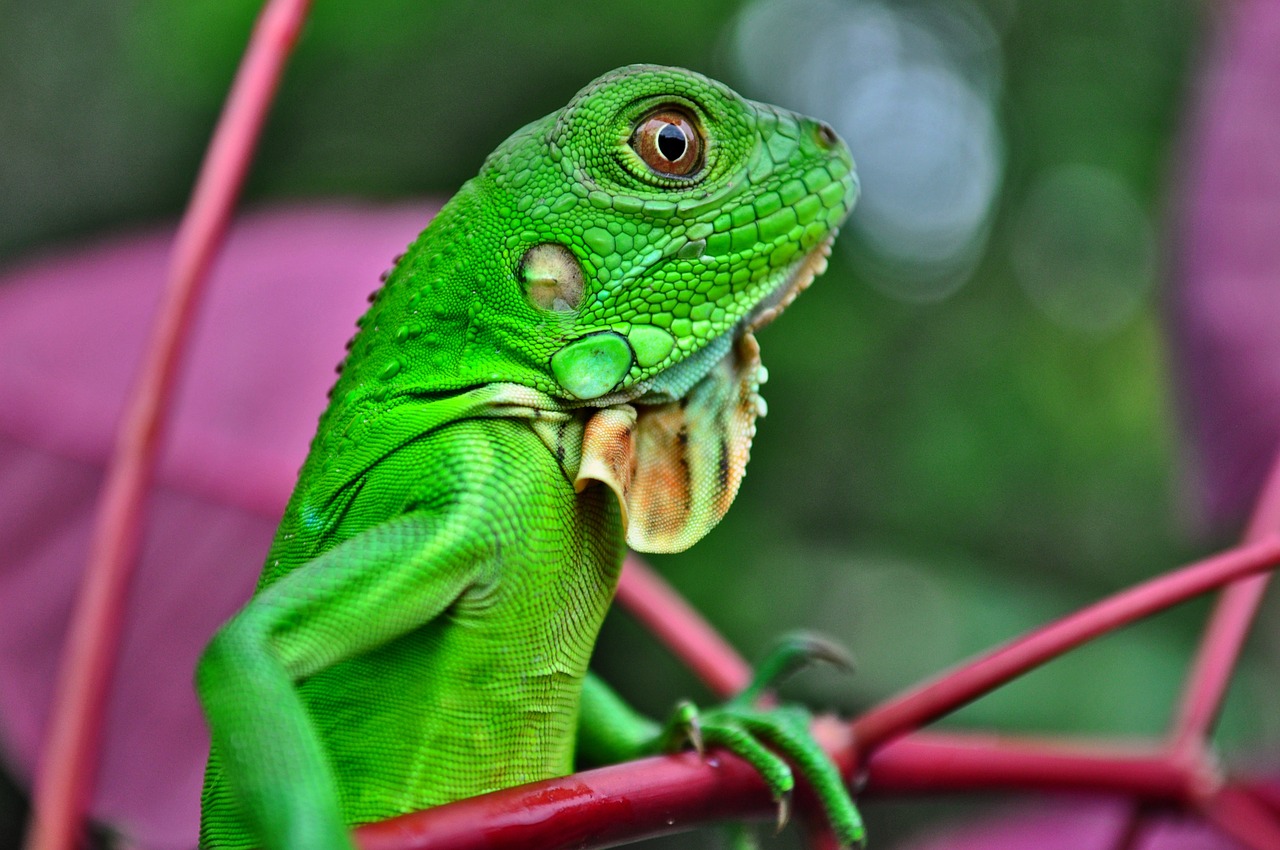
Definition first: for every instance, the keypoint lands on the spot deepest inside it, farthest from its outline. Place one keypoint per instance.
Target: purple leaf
(283, 300)
(1226, 306)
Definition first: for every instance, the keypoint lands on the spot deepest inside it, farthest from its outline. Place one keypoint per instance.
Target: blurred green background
(971, 415)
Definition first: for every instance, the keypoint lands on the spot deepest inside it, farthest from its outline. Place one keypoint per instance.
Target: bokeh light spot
(1083, 249)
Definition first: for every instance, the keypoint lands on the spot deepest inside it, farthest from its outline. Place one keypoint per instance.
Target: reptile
(562, 364)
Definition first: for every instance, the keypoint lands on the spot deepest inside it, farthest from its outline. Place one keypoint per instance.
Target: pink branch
(1265, 791)
(934, 699)
(596, 808)
(642, 799)
(68, 765)
(933, 762)
(678, 625)
(1228, 627)
(1240, 815)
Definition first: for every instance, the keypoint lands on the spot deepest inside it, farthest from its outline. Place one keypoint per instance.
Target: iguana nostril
(826, 136)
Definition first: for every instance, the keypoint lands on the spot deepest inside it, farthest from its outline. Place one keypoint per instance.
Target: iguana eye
(669, 143)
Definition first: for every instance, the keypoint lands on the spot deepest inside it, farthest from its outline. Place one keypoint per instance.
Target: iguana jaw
(679, 380)
(810, 266)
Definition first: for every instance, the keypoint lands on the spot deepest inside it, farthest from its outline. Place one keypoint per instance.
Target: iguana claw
(686, 727)
(784, 811)
(743, 728)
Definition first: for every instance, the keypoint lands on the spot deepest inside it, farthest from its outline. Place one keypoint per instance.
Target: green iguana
(560, 365)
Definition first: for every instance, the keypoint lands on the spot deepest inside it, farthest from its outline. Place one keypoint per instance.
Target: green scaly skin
(509, 417)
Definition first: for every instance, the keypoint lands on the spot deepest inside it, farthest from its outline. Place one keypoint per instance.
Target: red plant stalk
(678, 624)
(962, 685)
(655, 796)
(658, 795)
(68, 764)
(1239, 814)
(926, 763)
(1224, 637)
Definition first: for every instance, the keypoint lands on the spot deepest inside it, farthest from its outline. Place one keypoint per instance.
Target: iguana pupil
(671, 142)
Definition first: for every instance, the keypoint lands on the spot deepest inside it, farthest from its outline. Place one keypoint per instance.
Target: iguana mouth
(810, 266)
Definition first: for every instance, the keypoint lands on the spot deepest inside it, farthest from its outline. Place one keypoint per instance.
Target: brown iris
(669, 143)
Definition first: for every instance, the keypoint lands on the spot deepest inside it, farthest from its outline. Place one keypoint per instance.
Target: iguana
(560, 365)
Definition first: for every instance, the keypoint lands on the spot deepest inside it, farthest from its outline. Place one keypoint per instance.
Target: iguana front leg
(385, 582)
(766, 738)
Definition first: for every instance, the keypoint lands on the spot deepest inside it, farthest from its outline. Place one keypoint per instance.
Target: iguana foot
(744, 729)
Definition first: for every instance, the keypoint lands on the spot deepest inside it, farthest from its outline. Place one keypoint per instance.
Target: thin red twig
(68, 764)
(678, 624)
(951, 690)
(1228, 627)
(1266, 792)
(927, 763)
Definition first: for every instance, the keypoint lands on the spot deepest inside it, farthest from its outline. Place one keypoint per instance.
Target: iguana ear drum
(552, 277)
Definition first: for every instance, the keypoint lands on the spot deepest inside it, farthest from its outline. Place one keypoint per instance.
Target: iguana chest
(486, 695)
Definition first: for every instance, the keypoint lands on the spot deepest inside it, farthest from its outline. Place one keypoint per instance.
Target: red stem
(596, 808)
(69, 761)
(1238, 814)
(933, 762)
(1228, 627)
(1265, 791)
(934, 699)
(678, 625)
(642, 799)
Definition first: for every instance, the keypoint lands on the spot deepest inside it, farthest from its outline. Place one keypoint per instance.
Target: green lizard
(560, 365)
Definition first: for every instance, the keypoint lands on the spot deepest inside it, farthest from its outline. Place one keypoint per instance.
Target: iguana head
(654, 216)
(611, 250)
(620, 251)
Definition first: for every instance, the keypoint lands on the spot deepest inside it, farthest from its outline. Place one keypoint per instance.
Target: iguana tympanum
(562, 364)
